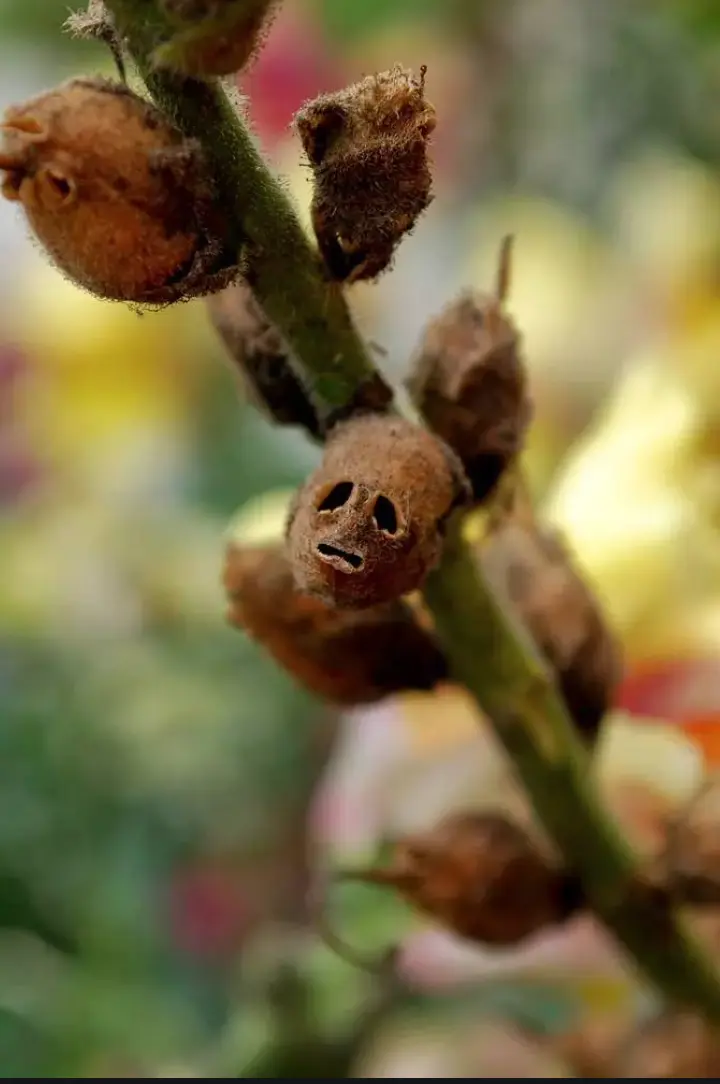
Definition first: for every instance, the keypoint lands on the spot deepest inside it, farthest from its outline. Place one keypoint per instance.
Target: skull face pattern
(367, 526)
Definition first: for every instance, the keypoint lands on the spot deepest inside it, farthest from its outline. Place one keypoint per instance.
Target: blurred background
(166, 793)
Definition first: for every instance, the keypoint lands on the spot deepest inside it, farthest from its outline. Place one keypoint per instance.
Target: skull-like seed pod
(367, 147)
(481, 876)
(367, 526)
(533, 571)
(354, 657)
(468, 380)
(118, 199)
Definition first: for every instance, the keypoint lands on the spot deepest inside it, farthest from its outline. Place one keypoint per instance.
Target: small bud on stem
(214, 37)
(261, 358)
(482, 877)
(533, 571)
(468, 381)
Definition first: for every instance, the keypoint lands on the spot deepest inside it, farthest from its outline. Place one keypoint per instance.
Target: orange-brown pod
(367, 526)
(118, 199)
(481, 876)
(346, 658)
(368, 149)
(468, 380)
(534, 572)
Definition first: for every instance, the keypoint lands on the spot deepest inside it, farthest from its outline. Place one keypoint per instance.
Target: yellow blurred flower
(111, 386)
(633, 499)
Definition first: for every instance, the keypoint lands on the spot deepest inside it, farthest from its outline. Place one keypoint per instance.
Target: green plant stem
(487, 652)
(504, 674)
(285, 271)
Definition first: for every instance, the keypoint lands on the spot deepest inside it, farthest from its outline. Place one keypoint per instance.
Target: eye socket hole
(385, 515)
(326, 128)
(337, 497)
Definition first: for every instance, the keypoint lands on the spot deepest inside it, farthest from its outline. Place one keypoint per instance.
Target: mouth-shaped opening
(353, 559)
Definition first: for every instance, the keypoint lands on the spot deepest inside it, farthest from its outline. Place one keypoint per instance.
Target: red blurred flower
(684, 691)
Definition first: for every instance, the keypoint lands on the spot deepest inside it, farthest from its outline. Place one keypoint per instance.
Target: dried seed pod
(262, 358)
(367, 526)
(347, 658)
(117, 198)
(481, 876)
(531, 568)
(219, 36)
(690, 865)
(673, 1045)
(367, 147)
(468, 380)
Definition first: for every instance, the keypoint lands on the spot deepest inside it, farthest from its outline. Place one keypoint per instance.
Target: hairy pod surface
(345, 657)
(118, 199)
(368, 149)
(367, 526)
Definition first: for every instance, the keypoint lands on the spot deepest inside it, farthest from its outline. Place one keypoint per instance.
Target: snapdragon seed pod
(261, 358)
(368, 149)
(482, 877)
(214, 37)
(534, 572)
(345, 657)
(468, 380)
(367, 526)
(118, 199)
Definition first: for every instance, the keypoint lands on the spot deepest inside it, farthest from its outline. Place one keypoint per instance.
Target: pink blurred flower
(294, 65)
(432, 958)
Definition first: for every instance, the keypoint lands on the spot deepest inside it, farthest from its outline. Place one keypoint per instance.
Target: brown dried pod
(481, 876)
(262, 358)
(533, 571)
(690, 865)
(469, 382)
(347, 658)
(118, 199)
(673, 1045)
(367, 146)
(219, 36)
(367, 526)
